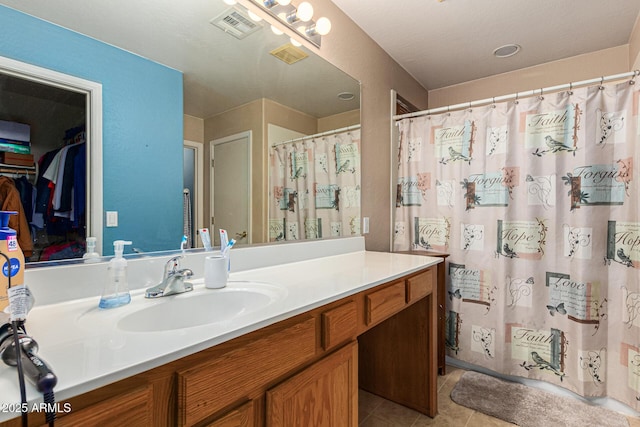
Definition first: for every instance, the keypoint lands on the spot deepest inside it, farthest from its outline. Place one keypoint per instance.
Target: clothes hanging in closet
(61, 189)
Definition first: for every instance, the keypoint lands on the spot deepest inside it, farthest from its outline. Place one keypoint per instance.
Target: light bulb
(305, 11)
(283, 2)
(323, 26)
(253, 16)
(276, 31)
(230, 2)
(295, 42)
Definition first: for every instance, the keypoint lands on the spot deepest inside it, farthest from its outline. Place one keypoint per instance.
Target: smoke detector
(236, 22)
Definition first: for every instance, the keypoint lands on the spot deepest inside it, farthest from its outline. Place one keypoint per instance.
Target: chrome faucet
(172, 281)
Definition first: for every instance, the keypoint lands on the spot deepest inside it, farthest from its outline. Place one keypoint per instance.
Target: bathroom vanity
(354, 320)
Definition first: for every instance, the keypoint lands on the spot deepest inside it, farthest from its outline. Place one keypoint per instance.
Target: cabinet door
(239, 417)
(136, 406)
(324, 394)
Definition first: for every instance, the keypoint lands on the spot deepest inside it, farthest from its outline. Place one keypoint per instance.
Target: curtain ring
(601, 83)
(516, 100)
(541, 97)
(570, 88)
(633, 78)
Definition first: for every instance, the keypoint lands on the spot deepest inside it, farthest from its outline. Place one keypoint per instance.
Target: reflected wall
(142, 125)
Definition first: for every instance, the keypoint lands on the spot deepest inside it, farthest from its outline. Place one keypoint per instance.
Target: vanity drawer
(420, 285)
(211, 386)
(339, 325)
(384, 303)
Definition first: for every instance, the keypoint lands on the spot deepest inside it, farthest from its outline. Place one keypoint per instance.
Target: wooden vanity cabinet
(324, 394)
(242, 416)
(304, 371)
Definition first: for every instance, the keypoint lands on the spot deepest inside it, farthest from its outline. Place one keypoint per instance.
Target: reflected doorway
(231, 184)
(192, 192)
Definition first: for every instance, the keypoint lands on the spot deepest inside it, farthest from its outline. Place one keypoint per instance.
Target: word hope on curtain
(536, 201)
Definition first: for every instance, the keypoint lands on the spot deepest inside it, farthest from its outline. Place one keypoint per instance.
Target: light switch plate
(112, 218)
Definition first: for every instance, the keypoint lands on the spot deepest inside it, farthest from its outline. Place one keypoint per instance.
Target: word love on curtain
(536, 201)
(315, 188)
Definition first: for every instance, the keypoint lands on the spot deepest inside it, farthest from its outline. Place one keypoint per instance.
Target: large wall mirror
(187, 78)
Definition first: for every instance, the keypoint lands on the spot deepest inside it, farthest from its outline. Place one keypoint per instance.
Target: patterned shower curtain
(314, 188)
(536, 201)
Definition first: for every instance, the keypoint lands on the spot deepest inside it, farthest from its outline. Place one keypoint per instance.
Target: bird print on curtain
(536, 201)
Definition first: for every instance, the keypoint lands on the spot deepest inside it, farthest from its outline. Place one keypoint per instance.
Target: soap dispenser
(116, 289)
(91, 255)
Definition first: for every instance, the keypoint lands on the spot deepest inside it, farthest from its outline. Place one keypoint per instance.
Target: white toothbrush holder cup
(216, 272)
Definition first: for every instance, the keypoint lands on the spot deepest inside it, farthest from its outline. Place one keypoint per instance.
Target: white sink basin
(196, 308)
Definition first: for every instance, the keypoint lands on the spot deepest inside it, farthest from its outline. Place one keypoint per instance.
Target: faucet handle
(172, 266)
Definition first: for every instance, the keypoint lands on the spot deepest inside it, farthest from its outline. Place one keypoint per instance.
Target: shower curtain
(536, 201)
(314, 187)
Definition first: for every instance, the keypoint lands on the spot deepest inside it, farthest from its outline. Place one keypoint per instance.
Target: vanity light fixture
(297, 18)
(253, 16)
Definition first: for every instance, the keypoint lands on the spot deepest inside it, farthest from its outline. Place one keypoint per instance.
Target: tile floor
(375, 411)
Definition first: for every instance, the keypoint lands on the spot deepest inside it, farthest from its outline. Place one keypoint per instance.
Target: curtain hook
(570, 88)
(601, 83)
(516, 100)
(541, 97)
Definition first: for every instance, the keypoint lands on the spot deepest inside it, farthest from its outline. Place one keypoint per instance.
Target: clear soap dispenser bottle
(116, 289)
(91, 255)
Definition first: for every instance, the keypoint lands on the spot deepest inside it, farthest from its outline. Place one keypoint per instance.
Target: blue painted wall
(142, 125)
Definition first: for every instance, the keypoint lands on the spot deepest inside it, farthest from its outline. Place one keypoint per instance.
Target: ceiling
(445, 42)
(220, 71)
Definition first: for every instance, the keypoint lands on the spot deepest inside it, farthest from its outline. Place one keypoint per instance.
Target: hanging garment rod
(318, 135)
(518, 95)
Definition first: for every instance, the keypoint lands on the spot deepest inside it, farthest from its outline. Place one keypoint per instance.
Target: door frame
(198, 197)
(249, 135)
(93, 127)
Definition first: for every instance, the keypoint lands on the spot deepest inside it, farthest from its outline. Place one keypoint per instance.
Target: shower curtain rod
(517, 95)
(318, 135)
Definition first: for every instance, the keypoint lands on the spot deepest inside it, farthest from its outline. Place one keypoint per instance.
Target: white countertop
(86, 355)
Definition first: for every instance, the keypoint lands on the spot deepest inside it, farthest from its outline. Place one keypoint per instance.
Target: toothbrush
(206, 239)
(224, 240)
(225, 251)
(183, 243)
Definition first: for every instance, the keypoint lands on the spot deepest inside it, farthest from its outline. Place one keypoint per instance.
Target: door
(323, 395)
(231, 184)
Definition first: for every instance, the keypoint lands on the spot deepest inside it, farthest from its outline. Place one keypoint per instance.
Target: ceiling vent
(236, 22)
(289, 53)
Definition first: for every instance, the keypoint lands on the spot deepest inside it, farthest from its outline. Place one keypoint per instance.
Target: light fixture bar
(288, 15)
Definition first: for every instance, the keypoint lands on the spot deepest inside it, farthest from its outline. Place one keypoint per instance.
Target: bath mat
(528, 406)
